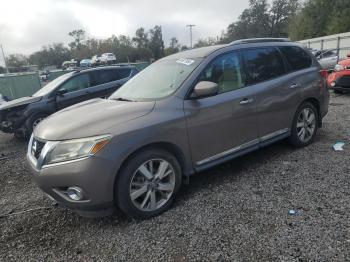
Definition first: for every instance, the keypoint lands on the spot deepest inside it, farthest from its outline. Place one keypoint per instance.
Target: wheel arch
(167, 146)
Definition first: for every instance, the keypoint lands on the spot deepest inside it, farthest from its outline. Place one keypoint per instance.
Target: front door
(76, 90)
(222, 125)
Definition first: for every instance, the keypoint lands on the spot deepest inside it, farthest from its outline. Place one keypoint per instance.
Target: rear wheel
(304, 126)
(147, 184)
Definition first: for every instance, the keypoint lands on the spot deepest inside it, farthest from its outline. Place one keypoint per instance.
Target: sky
(25, 26)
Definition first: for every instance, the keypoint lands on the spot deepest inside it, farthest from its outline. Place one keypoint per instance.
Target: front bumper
(94, 175)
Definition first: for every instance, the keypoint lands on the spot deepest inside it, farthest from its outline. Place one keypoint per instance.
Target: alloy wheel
(306, 124)
(152, 185)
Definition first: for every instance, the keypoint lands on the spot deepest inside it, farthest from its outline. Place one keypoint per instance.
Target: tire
(34, 120)
(131, 181)
(296, 137)
(339, 92)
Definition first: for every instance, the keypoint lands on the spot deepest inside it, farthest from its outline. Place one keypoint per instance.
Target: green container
(19, 85)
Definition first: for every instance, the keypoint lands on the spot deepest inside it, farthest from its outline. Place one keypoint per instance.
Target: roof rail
(259, 40)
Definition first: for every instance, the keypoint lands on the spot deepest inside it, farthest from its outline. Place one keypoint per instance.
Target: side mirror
(205, 89)
(61, 92)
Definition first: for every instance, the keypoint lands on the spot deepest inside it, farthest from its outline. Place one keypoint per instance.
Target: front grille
(343, 81)
(37, 147)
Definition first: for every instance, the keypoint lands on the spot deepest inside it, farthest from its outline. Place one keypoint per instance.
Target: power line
(190, 26)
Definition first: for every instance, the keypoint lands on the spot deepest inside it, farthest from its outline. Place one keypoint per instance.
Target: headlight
(75, 149)
(339, 68)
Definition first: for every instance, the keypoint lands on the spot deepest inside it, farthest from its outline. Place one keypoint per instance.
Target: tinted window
(105, 76)
(262, 64)
(297, 57)
(77, 83)
(225, 71)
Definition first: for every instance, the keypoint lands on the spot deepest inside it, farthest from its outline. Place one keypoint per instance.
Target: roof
(205, 51)
(196, 52)
(105, 67)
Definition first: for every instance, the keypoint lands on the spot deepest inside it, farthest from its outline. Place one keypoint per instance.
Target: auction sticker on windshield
(185, 61)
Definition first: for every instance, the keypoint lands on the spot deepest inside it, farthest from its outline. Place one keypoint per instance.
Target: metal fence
(339, 43)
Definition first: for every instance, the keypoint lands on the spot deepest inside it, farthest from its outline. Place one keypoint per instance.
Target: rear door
(106, 81)
(76, 90)
(224, 124)
(277, 92)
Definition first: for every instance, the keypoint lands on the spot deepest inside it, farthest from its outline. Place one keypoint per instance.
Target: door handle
(245, 101)
(294, 85)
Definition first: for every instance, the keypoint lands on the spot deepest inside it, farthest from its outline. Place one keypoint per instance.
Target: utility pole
(3, 55)
(190, 26)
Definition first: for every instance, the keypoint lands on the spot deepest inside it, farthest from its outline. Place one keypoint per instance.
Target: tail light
(324, 73)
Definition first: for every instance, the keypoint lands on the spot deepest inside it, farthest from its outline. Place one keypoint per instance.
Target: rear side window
(105, 76)
(297, 58)
(263, 64)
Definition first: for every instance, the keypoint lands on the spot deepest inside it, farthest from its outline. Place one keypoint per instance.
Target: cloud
(25, 26)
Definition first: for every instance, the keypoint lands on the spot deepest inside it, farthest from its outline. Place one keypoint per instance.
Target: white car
(327, 58)
(108, 58)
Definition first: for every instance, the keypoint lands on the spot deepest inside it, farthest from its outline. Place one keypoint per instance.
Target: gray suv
(183, 114)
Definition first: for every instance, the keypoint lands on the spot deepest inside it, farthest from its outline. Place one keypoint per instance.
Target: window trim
(195, 82)
(286, 71)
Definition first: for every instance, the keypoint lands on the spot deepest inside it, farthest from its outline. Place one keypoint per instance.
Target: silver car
(183, 114)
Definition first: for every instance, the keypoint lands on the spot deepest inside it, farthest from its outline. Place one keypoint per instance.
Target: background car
(95, 60)
(339, 79)
(327, 58)
(20, 116)
(3, 99)
(85, 63)
(108, 58)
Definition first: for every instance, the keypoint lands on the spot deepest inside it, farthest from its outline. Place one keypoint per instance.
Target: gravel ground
(237, 211)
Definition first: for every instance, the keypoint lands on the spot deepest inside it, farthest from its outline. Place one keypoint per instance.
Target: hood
(19, 102)
(91, 118)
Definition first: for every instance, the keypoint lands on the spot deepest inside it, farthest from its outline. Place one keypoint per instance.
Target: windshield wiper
(123, 99)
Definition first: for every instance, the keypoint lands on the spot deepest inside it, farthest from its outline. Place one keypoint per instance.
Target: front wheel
(304, 126)
(147, 184)
(33, 121)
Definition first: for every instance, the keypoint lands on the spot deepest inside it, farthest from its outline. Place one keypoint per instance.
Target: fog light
(75, 193)
(333, 84)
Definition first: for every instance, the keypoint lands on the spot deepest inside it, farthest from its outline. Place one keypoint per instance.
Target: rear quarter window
(297, 57)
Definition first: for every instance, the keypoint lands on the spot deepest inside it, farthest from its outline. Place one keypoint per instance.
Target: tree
(262, 20)
(2, 70)
(156, 43)
(17, 60)
(141, 38)
(54, 54)
(174, 47)
(79, 36)
(320, 17)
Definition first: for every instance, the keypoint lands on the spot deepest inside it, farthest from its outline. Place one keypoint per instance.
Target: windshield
(159, 80)
(52, 85)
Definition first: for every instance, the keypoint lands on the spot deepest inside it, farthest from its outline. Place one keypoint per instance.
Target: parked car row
(182, 114)
(21, 116)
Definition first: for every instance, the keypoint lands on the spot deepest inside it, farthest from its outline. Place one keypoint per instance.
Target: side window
(263, 64)
(105, 76)
(297, 57)
(225, 71)
(77, 83)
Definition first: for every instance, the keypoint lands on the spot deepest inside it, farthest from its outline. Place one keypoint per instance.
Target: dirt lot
(237, 211)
